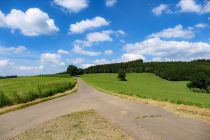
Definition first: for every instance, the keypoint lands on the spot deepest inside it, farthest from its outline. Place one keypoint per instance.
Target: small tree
(199, 80)
(72, 70)
(121, 75)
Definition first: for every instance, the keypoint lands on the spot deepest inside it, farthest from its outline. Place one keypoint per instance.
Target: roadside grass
(26, 89)
(149, 86)
(85, 125)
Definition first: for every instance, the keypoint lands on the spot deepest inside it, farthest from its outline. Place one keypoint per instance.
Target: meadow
(148, 85)
(24, 89)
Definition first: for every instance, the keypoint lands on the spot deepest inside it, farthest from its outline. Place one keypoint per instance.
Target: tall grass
(40, 90)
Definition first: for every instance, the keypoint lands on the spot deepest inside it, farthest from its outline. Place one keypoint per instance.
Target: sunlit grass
(147, 85)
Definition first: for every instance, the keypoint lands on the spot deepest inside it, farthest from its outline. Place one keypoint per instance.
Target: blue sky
(38, 37)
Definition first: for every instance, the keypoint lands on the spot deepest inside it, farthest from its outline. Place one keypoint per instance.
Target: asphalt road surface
(141, 121)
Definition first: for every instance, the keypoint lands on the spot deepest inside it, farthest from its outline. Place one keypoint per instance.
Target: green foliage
(26, 89)
(148, 85)
(72, 70)
(199, 80)
(132, 66)
(121, 75)
(173, 71)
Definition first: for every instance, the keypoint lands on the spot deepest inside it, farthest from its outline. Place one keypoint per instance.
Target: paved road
(141, 121)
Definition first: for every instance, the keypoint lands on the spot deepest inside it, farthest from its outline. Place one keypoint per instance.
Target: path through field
(139, 120)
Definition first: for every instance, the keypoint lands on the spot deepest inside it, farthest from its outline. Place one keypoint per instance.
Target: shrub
(199, 80)
(121, 75)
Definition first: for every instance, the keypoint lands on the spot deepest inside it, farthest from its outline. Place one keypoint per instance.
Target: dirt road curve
(140, 120)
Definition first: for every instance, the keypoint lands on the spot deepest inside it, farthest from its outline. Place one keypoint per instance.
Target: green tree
(121, 75)
(199, 80)
(72, 70)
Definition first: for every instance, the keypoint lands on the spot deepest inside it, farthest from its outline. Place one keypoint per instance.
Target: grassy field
(25, 89)
(86, 125)
(146, 85)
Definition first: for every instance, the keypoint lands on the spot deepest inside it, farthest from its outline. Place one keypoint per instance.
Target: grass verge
(76, 126)
(37, 101)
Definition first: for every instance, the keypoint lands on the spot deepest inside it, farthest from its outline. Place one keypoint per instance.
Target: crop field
(147, 85)
(25, 89)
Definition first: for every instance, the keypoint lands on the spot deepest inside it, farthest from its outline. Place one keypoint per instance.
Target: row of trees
(173, 71)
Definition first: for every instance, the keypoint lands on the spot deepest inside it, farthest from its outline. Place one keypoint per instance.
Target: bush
(199, 81)
(121, 75)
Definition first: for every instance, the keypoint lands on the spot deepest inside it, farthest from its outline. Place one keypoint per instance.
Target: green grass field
(25, 89)
(147, 85)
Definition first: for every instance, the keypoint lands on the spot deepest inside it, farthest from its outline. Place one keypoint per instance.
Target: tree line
(173, 71)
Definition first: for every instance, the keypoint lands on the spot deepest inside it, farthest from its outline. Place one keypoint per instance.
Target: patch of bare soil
(86, 125)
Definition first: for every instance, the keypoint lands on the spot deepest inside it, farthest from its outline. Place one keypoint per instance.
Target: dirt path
(141, 121)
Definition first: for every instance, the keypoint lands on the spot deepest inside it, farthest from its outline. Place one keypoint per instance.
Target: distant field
(25, 89)
(146, 85)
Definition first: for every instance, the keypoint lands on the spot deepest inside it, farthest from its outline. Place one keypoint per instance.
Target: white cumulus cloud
(88, 24)
(201, 25)
(160, 9)
(33, 22)
(12, 50)
(99, 36)
(62, 52)
(50, 58)
(176, 32)
(193, 6)
(168, 49)
(110, 3)
(73, 6)
(79, 50)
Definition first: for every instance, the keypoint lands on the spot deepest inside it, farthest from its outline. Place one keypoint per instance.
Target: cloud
(5, 62)
(100, 61)
(99, 36)
(88, 24)
(108, 52)
(96, 62)
(73, 6)
(33, 22)
(131, 57)
(110, 3)
(168, 49)
(79, 50)
(192, 6)
(176, 32)
(30, 68)
(161, 9)
(62, 52)
(119, 33)
(76, 61)
(201, 25)
(12, 50)
(86, 65)
(54, 59)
